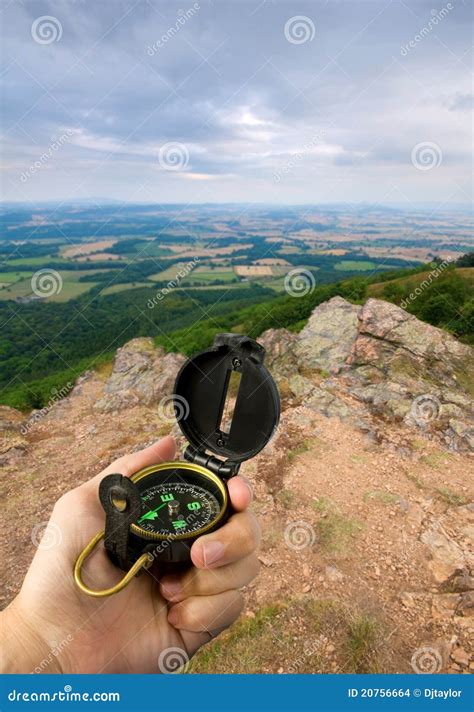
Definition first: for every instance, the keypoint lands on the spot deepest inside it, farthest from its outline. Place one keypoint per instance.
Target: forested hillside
(45, 345)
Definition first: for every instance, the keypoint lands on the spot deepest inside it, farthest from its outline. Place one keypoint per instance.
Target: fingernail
(212, 552)
(249, 487)
(171, 588)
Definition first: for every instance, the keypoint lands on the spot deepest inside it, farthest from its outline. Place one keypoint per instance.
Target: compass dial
(178, 503)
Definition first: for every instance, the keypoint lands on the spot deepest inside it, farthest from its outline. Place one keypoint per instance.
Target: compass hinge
(223, 468)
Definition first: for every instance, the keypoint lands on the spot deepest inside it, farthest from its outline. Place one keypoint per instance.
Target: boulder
(405, 348)
(280, 358)
(142, 375)
(326, 341)
(446, 554)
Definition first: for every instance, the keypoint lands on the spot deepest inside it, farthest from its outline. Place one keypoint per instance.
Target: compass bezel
(179, 465)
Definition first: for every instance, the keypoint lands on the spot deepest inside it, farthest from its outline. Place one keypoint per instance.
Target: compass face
(178, 502)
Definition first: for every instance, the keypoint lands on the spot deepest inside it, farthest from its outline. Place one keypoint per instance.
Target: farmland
(77, 281)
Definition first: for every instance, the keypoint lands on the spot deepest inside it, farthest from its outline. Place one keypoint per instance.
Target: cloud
(345, 108)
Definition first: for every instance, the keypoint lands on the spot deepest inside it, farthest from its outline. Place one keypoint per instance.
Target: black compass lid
(202, 407)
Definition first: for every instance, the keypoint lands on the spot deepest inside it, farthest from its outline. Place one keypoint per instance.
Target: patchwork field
(138, 246)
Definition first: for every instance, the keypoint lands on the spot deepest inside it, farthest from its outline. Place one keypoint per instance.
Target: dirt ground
(347, 583)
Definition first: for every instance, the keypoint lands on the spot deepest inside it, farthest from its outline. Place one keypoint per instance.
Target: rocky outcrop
(142, 374)
(382, 360)
(326, 341)
(11, 436)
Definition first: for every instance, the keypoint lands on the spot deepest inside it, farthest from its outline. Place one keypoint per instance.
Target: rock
(460, 657)
(333, 574)
(444, 605)
(142, 374)
(407, 599)
(460, 435)
(460, 521)
(280, 358)
(401, 369)
(406, 341)
(326, 341)
(10, 418)
(84, 378)
(459, 582)
(306, 588)
(266, 560)
(13, 429)
(300, 386)
(447, 556)
(465, 606)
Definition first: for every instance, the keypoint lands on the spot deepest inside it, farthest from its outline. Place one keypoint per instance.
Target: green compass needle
(152, 514)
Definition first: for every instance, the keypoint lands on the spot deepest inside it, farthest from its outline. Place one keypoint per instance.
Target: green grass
(444, 494)
(44, 260)
(450, 497)
(416, 480)
(202, 274)
(270, 641)
(71, 290)
(71, 286)
(170, 274)
(36, 394)
(286, 498)
(435, 460)
(229, 285)
(22, 288)
(355, 265)
(302, 447)
(381, 496)
(363, 643)
(124, 287)
(335, 530)
(13, 276)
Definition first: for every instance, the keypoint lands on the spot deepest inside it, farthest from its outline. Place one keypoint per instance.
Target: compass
(227, 406)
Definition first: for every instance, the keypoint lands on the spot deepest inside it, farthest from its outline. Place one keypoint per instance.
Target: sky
(233, 101)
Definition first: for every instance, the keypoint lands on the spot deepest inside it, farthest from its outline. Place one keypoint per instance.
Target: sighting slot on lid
(233, 384)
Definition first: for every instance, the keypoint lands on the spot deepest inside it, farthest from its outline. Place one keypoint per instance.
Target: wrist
(24, 650)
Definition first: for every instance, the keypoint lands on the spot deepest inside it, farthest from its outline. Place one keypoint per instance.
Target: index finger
(240, 493)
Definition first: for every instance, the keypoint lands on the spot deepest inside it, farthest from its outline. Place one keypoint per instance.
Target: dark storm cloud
(244, 98)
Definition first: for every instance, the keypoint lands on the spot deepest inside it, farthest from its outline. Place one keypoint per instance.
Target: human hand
(51, 626)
